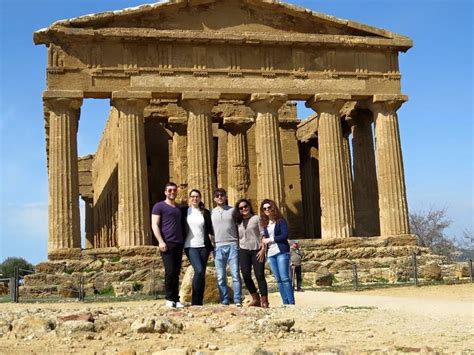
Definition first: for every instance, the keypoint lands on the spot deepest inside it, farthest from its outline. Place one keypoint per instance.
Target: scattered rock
(143, 325)
(168, 326)
(74, 326)
(431, 272)
(323, 277)
(77, 316)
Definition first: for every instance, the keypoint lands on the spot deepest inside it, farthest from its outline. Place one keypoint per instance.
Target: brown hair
(201, 204)
(275, 213)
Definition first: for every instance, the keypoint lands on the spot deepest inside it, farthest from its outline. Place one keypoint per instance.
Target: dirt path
(436, 318)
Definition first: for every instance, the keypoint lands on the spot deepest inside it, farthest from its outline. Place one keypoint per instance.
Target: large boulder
(323, 277)
(34, 326)
(211, 293)
(431, 272)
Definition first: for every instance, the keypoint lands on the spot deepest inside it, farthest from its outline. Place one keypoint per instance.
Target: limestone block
(38, 291)
(124, 288)
(153, 286)
(51, 267)
(211, 293)
(4, 289)
(28, 325)
(431, 272)
(323, 277)
(68, 290)
(75, 326)
(143, 325)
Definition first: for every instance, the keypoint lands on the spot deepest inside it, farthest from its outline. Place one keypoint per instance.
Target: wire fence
(77, 291)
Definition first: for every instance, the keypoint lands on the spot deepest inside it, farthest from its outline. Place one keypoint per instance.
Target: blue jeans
(198, 258)
(228, 254)
(280, 266)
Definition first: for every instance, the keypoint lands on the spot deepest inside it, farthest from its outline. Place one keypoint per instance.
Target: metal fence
(78, 289)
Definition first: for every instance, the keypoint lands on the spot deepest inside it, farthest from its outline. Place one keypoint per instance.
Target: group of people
(237, 236)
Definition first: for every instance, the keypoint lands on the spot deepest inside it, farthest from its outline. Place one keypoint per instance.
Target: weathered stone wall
(105, 184)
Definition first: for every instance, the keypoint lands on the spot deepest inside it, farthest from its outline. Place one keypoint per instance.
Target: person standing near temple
(166, 224)
(226, 248)
(295, 259)
(197, 228)
(275, 236)
(251, 252)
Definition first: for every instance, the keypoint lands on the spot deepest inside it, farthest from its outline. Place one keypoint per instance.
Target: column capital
(237, 124)
(328, 102)
(386, 103)
(358, 117)
(62, 103)
(199, 102)
(177, 124)
(130, 102)
(267, 103)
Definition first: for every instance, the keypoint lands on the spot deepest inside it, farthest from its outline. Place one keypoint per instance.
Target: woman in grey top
(251, 252)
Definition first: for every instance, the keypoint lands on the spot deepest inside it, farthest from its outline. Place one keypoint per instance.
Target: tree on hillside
(430, 228)
(8, 265)
(466, 245)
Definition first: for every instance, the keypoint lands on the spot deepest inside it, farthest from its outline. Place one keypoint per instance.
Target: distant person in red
(167, 229)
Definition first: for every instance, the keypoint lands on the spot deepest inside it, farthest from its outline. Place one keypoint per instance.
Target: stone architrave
(64, 225)
(238, 162)
(390, 176)
(200, 149)
(365, 190)
(134, 215)
(270, 179)
(178, 127)
(335, 202)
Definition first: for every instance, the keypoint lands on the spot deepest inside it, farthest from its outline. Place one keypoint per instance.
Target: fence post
(11, 286)
(355, 276)
(415, 270)
(471, 273)
(81, 288)
(16, 284)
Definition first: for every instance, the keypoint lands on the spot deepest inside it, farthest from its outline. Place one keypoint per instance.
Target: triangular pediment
(233, 16)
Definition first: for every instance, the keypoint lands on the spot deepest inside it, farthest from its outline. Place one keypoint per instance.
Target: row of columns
(133, 222)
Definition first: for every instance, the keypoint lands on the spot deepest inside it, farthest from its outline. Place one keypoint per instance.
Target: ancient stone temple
(204, 93)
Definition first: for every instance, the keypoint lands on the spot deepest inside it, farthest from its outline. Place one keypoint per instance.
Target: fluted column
(270, 179)
(134, 216)
(200, 149)
(63, 208)
(390, 173)
(89, 222)
(366, 204)
(346, 131)
(335, 194)
(238, 173)
(178, 126)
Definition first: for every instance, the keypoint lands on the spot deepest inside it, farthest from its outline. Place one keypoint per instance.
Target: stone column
(270, 180)
(390, 174)
(238, 173)
(89, 222)
(178, 127)
(134, 210)
(346, 131)
(200, 150)
(366, 204)
(64, 225)
(335, 200)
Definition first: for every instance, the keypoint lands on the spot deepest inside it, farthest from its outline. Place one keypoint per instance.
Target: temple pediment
(261, 19)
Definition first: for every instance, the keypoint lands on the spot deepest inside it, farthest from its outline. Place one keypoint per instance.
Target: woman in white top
(275, 236)
(197, 243)
(251, 252)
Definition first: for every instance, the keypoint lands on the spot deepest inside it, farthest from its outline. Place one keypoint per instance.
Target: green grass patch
(115, 258)
(137, 286)
(107, 291)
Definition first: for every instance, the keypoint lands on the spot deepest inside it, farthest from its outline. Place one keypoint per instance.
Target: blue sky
(436, 124)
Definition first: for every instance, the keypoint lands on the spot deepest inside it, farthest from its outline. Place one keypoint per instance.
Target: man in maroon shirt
(166, 225)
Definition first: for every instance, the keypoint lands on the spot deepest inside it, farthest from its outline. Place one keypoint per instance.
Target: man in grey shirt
(227, 248)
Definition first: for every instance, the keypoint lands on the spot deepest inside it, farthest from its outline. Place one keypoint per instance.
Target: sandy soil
(409, 319)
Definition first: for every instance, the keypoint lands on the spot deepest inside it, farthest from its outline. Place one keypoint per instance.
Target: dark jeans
(248, 258)
(298, 276)
(198, 258)
(172, 259)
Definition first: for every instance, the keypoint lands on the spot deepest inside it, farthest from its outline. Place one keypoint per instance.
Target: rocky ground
(408, 319)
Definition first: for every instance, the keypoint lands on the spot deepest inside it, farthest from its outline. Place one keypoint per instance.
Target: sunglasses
(219, 195)
(243, 207)
(267, 208)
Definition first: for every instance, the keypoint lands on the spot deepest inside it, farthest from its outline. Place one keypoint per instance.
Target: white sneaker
(170, 304)
(179, 305)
